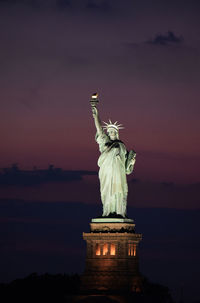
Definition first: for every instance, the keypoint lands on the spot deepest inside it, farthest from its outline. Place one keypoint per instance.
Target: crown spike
(112, 125)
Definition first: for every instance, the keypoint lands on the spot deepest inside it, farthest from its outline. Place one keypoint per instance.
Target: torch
(94, 100)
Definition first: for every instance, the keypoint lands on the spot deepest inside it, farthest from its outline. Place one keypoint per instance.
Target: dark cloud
(166, 39)
(95, 5)
(100, 6)
(14, 176)
(59, 184)
(26, 2)
(63, 3)
(39, 4)
(9, 1)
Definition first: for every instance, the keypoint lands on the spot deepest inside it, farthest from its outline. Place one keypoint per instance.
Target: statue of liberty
(115, 162)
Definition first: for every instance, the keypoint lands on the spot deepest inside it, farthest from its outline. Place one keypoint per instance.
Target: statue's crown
(112, 125)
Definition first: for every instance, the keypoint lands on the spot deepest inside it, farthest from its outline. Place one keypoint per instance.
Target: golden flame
(95, 96)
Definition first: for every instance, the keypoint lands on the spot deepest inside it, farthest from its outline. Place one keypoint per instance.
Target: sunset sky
(55, 54)
(141, 56)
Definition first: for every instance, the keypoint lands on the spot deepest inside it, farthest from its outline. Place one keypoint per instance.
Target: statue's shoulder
(102, 137)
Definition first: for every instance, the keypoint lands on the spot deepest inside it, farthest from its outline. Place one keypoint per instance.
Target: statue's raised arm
(114, 162)
(94, 101)
(97, 120)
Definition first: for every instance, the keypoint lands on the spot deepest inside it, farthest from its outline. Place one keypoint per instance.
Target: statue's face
(112, 133)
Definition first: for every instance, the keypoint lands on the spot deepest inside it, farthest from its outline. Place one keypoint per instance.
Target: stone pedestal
(112, 256)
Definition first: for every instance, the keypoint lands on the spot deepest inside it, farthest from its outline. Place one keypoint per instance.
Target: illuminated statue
(114, 162)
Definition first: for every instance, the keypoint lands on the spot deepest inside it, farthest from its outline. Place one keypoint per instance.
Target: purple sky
(143, 58)
(55, 54)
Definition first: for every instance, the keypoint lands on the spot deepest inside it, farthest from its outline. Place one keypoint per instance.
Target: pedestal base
(112, 258)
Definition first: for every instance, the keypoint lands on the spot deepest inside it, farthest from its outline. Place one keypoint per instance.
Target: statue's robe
(112, 174)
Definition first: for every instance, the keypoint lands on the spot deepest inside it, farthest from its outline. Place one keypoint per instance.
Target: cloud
(63, 3)
(14, 176)
(16, 2)
(56, 184)
(166, 39)
(38, 4)
(96, 5)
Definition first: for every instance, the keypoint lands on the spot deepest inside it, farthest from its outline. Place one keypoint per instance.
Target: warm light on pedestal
(112, 259)
(112, 249)
(105, 249)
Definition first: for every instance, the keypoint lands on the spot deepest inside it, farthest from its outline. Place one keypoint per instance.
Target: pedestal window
(98, 250)
(131, 249)
(112, 249)
(105, 249)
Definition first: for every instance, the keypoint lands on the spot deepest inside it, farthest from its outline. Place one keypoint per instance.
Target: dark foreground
(64, 288)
